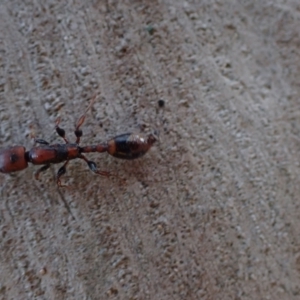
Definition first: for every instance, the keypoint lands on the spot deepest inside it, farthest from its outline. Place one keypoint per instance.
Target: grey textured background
(212, 211)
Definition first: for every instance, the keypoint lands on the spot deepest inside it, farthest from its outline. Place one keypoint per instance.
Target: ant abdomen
(130, 145)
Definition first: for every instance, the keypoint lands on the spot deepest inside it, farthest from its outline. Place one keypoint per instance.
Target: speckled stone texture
(213, 210)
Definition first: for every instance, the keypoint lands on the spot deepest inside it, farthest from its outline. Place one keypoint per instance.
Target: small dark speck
(144, 184)
(150, 29)
(161, 103)
(154, 204)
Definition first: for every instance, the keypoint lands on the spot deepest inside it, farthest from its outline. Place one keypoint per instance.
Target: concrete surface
(212, 211)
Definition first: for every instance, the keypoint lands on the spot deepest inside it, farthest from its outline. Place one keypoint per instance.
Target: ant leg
(78, 131)
(42, 169)
(61, 172)
(93, 167)
(41, 141)
(60, 131)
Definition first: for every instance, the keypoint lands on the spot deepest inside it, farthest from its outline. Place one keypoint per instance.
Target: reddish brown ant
(125, 146)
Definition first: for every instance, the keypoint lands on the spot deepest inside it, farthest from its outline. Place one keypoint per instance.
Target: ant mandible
(125, 146)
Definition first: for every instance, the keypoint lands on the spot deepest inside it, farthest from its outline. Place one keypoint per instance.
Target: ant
(124, 146)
